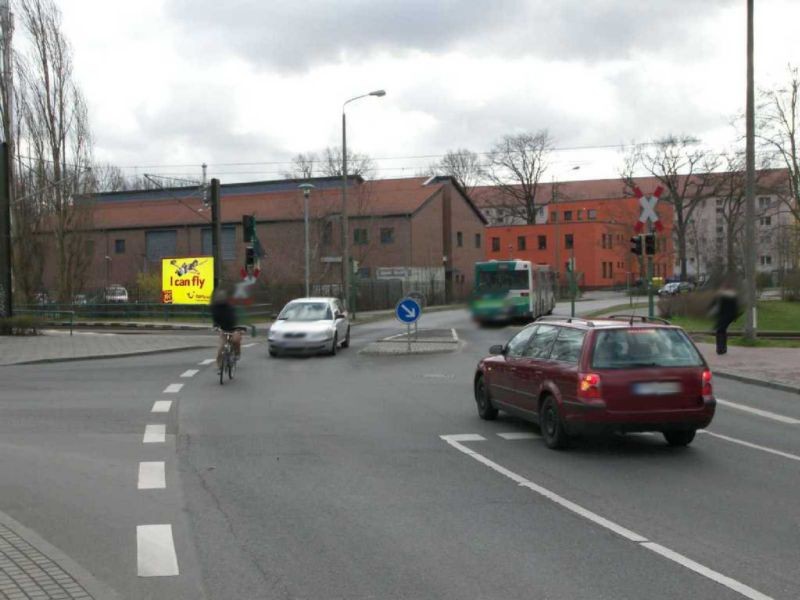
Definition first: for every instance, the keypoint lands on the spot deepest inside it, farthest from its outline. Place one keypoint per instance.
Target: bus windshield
(495, 281)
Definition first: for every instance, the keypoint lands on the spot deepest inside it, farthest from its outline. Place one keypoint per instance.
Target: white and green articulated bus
(509, 290)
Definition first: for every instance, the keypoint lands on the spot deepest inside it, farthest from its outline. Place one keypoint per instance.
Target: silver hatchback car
(310, 326)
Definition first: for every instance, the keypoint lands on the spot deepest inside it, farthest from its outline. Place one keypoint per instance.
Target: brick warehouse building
(420, 231)
(590, 220)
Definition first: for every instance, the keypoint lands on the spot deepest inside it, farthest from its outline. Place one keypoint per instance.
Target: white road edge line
(151, 476)
(190, 372)
(161, 406)
(750, 445)
(744, 590)
(518, 435)
(757, 411)
(155, 434)
(155, 551)
(173, 388)
(207, 361)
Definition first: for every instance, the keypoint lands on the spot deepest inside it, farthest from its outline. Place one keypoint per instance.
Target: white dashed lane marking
(190, 373)
(761, 413)
(155, 433)
(207, 361)
(151, 476)
(751, 445)
(155, 551)
(736, 586)
(173, 388)
(161, 406)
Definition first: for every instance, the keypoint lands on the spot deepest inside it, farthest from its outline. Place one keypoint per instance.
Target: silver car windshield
(306, 311)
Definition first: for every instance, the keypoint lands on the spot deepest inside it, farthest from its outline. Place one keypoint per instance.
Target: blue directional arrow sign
(407, 310)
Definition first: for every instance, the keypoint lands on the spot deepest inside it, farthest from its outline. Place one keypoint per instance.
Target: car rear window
(641, 347)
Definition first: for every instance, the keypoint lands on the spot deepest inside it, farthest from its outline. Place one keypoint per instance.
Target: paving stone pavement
(26, 573)
(59, 345)
(778, 365)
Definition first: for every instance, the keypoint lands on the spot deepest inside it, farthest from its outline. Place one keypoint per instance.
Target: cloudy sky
(175, 83)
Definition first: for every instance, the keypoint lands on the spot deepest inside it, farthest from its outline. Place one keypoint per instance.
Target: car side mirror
(338, 315)
(497, 349)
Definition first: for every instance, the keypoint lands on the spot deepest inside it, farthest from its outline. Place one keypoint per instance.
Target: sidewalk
(56, 346)
(767, 365)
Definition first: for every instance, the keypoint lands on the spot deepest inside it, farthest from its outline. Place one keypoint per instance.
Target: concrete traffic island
(423, 341)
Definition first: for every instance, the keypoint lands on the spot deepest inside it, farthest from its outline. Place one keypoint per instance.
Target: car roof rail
(642, 318)
(587, 322)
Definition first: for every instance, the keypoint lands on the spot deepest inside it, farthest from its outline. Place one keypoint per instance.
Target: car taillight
(708, 389)
(589, 386)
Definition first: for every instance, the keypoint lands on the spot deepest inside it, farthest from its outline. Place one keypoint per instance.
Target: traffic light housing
(249, 256)
(650, 244)
(249, 228)
(636, 245)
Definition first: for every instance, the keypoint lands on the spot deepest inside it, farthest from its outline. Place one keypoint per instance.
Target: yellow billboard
(187, 280)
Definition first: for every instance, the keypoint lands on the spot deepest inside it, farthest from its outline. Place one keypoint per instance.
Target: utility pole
(216, 233)
(750, 199)
(6, 162)
(345, 232)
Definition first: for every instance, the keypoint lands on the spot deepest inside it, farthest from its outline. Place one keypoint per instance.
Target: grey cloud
(299, 34)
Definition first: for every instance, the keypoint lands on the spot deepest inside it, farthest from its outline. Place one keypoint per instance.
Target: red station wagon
(616, 374)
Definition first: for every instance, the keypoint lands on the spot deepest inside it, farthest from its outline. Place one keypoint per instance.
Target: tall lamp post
(345, 232)
(306, 187)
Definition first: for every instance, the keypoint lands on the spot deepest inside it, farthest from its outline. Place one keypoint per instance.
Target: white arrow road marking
(155, 434)
(161, 406)
(151, 476)
(155, 551)
(757, 411)
(744, 590)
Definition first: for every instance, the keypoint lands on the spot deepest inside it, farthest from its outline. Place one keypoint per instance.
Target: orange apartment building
(593, 222)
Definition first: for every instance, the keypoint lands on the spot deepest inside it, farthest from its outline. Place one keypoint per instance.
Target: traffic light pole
(650, 303)
(216, 233)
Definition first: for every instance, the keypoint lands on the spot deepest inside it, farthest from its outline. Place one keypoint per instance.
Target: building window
(592, 214)
(161, 244)
(766, 260)
(119, 246)
(608, 270)
(608, 241)
(459, 239)
(495, 244)
(764, 202)
(568, 215)
(521, 242)
(477, 240)
(568, 242)
(720, 230)
(765, 221)
(554, 217)
(387, 235)
(228, 243)
(327, 233)
(542, 242)
(719, 201)
(580, 214)
(360, 237)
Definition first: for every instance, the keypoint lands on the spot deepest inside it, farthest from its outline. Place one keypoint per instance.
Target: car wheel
(346, 342)
(553, 432)
(486, 409)
(679, 438)
(334, 345)
(273, 353)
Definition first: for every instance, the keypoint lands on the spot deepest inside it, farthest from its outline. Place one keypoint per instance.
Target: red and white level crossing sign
(648, 214)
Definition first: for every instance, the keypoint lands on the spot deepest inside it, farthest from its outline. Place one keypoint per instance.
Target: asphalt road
(329, 478)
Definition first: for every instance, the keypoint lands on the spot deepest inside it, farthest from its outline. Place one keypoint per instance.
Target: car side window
(542, 342)
(568, 345)
(517, 345)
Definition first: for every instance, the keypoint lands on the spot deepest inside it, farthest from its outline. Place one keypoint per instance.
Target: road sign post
(646, 243)
(408, 311)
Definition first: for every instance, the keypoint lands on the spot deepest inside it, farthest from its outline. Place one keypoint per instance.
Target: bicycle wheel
(231, 367)
(222, 370)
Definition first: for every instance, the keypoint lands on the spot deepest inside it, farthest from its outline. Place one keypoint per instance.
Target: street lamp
(306, 187)
(345, 232)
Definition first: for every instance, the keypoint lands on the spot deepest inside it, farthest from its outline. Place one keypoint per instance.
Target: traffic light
(249, 256)
(636, 245)
(248, 227)
(650, 244)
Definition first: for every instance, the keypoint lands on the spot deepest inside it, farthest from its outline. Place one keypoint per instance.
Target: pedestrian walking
(726, 310)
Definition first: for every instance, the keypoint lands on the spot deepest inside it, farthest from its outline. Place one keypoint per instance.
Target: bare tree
(462, 165)
(515, 167)
(58, 140)
(106, 177)
(304, 166)
(357, 164)
(684, 170)
(778, 130)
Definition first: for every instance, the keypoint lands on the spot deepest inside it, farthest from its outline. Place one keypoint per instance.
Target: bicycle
(229, 361)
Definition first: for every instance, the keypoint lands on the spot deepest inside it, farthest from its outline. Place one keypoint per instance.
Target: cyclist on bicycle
(224, 316)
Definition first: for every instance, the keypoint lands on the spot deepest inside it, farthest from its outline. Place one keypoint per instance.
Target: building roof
(267, 201)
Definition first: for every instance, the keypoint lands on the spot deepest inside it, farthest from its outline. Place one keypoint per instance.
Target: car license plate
(656, 388)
